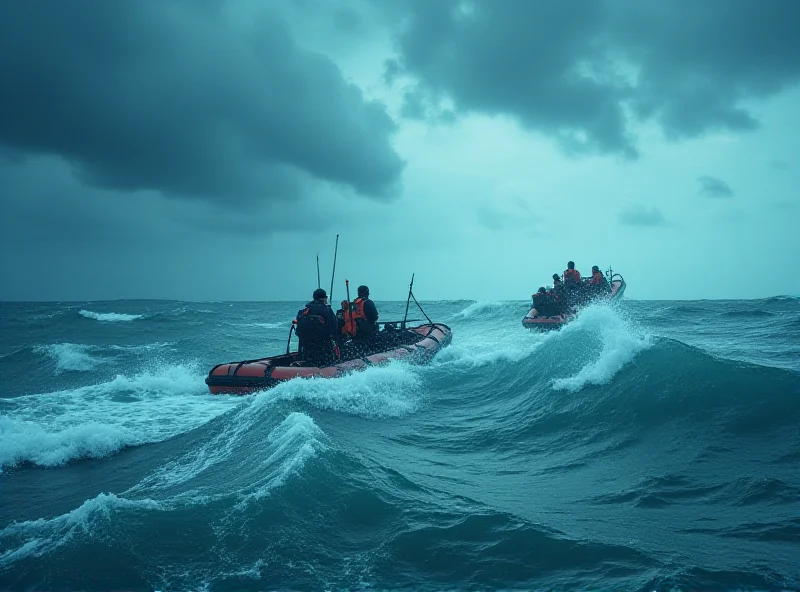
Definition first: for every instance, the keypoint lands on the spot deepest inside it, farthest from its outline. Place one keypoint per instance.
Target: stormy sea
(645, 446)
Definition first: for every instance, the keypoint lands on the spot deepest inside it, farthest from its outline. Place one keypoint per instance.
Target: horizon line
(282, 301)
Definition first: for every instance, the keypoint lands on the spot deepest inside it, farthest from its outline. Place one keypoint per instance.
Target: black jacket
(370, 311)
(317, 307)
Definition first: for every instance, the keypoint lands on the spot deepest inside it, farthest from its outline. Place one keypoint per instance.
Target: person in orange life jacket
(365, 314)
(598, 284)
(572, 276)
(317, 327)
(572, 284)
(598, 278)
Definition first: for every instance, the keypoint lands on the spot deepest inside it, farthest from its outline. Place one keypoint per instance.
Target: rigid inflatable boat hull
(540, 323)
(241, 378)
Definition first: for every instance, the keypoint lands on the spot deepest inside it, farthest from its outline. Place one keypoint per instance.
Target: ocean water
(645, 446)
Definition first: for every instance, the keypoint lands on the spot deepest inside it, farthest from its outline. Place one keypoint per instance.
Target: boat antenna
(408, 301)
(333, 274)
(349, 310)
(319, 283)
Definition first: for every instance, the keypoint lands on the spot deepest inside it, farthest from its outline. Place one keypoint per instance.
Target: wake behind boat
(541, 318)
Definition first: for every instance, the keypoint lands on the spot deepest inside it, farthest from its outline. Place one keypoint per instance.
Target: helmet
(571, 265)
(556, 277)
(363, 291)
(595, 268)
(319, 294)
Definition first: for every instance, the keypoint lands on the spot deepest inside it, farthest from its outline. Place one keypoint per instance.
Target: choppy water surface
(651, 445)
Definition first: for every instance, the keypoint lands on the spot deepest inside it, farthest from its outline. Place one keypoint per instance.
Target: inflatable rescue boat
(533, 320)
(417, 345)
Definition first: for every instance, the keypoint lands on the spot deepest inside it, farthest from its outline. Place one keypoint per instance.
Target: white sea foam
(109, 317)
(77, 357)
(478, 308)
(620, 345)
(391, 390)
(284, 325)
(43, 536)
(262, 463)
(28, 441)
(138, 349)
(489, 344)
(70, 356)
(377, 392)
(291, 444)
(95, 421)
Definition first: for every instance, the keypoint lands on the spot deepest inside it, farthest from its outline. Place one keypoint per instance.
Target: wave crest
(45, 535)
(480, 307)
(25, 441)
(620, 345)
(96, 421)
(69, 356)
(109, 317)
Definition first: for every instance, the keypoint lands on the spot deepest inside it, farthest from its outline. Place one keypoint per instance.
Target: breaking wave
(70, 356)
(109, 317)
(51, 429)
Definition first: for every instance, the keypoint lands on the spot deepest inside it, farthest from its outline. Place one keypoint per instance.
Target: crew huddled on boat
(570, 291)
(323, 334)
(333, 344)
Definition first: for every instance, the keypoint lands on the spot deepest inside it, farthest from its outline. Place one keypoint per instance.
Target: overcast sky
(208, 150)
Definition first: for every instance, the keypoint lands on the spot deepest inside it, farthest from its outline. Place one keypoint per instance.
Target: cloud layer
(637, 215)
(713, 187)
(586, 72)
(173, 96)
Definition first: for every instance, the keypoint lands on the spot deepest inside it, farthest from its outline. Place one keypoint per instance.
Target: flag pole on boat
(408, 301)
(333, 274)
(319, 283)
(347, 313)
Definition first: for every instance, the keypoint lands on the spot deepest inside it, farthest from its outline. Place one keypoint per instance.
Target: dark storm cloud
(642, 216)
(581, 71)
(172, 96)
(713, 187)
(45, 205)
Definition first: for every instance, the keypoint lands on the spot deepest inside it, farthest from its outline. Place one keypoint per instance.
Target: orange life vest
(572, 275)
(597, 278)
(352, 313)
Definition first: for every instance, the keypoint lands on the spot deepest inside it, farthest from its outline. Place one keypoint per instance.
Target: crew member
(572, 277)
(598, 284)
(559, 295)
(543, 302)
(572, 283)
(317, 327)
(365, 315)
